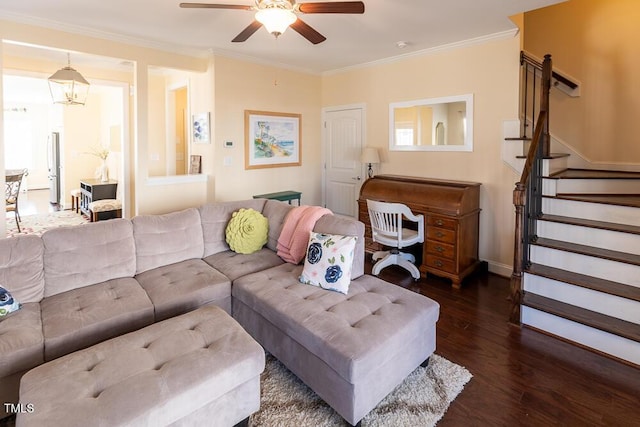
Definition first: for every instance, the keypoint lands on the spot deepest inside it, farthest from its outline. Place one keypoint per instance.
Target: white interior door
(343, 135)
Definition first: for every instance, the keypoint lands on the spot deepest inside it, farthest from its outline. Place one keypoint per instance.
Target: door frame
(170, 125)
(363, 131)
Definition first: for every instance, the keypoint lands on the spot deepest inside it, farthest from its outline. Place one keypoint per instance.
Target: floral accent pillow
(328, 262)
(7, 303)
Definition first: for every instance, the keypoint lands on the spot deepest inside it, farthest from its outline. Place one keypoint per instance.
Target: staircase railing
(527, 196)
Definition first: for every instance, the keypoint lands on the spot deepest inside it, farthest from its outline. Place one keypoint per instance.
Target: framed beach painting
(272, 139)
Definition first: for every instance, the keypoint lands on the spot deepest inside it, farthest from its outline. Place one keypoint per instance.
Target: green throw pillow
(247, 231)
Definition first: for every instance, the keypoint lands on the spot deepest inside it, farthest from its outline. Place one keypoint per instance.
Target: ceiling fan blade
(332, 7)
(247, 32)
(214, 6)
(307, 32)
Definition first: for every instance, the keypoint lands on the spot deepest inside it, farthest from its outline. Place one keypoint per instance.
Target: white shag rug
(421, 400)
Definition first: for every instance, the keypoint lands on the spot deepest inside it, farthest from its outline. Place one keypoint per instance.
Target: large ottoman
(352, 350)
(200, 368)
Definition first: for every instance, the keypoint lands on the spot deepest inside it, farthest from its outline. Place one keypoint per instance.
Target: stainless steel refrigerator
(53, 163)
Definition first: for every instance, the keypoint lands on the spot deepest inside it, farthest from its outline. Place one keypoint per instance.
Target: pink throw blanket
(294, 237)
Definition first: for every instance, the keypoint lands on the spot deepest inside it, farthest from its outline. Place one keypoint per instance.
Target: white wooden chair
(386, 225)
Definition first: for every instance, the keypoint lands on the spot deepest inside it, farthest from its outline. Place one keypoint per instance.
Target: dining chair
(12, 192)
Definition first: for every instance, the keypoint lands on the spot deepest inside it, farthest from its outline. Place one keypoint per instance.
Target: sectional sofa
(83, 285)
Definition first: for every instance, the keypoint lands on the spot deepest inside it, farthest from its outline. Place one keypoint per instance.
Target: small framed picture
(201, 128)
(195, 165)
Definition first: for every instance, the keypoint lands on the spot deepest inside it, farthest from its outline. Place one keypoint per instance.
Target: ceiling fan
(278, 15)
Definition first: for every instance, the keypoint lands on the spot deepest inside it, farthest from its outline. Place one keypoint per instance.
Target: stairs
(583, 283)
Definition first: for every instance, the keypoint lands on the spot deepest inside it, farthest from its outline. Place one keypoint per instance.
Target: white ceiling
(351, 39)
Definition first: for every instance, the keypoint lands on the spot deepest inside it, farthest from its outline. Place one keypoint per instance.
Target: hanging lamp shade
(68, 87)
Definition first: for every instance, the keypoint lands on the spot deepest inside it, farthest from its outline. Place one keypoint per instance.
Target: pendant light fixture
(67, 86)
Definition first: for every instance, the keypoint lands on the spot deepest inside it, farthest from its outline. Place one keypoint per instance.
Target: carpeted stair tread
(586, 317)
(589, 251)
(589, 282)
(602, 225)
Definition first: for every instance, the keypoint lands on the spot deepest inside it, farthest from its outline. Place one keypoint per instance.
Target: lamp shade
(276, 20)
(68, 87)
(370, 155)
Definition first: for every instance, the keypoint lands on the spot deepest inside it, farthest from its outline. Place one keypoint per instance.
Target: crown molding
(105, 35)
(430, 51)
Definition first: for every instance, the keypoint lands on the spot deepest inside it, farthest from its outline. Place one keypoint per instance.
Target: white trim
(92, 32)
(500, 269)
(430, 51)
(176, 179)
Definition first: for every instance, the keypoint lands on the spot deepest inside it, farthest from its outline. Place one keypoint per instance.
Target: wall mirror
(435, 124)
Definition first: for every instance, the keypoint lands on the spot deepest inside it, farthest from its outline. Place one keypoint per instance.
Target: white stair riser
(596, 211)
(621, 308)
(602, 341)
(606, 239)
(551, 166)
(591, 266)
(549, 187)
(598, 186)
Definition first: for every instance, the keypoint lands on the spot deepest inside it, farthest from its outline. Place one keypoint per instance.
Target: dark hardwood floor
(520, 377)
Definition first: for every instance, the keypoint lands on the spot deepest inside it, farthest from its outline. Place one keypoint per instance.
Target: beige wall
(148, 198)
(490, 72)
(242, 86)
(594, 41)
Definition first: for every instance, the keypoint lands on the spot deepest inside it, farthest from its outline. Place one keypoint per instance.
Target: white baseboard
(500, 269)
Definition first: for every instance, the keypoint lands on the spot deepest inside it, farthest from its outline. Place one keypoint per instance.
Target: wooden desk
(283, 196)
(94, 189)
(452, 216)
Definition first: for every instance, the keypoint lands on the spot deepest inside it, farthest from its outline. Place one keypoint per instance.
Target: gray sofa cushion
(166, 239)
(234, 265)
(184, 286)
(21, 267)
(82, 317)
(353, 333)
(215, 217)
(333, 224)
(276, 212)
(87, 254)
(21, 341)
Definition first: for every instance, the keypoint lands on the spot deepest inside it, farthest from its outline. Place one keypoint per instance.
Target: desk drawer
(441, 221)
(441, 249)
(442, 264)
(441, 234)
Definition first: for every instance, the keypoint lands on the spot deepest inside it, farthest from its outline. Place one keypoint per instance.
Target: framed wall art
(272, 139)
(195, 165)
(201, 128)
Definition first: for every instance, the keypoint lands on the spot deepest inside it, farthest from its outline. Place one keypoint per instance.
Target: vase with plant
(103, 170)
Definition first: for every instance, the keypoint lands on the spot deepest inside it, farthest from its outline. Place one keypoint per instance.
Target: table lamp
(370, 156)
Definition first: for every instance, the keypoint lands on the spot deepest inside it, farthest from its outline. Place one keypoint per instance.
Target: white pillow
(329, 261)
(7, 303)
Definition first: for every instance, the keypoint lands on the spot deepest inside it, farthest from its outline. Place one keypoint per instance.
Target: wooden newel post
(519, 197)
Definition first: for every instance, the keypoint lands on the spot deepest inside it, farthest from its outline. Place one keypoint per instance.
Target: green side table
(283, 196)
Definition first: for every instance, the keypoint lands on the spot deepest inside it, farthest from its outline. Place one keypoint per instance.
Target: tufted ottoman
(200, 368)
(352, 350)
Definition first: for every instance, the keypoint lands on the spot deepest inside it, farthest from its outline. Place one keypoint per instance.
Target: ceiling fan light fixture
(275, 19)
(68, 87)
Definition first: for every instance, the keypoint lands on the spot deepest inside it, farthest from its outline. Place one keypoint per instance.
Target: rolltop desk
(452, 219)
